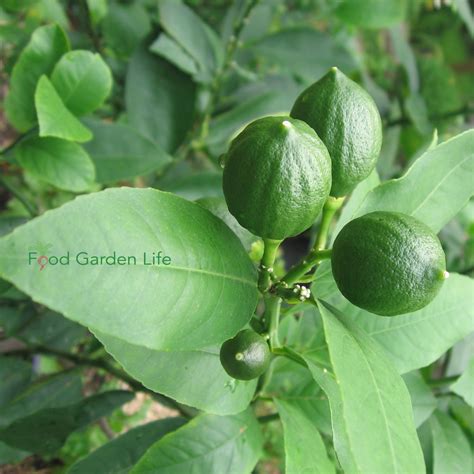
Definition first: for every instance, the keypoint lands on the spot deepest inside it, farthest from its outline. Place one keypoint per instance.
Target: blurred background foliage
(187, 77)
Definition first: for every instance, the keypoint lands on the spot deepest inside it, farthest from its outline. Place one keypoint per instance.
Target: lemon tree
(236, 237)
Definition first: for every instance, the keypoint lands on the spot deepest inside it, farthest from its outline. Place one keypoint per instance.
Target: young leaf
(56, 423)
(417, 339)
(54, 118)
(82, 80)
(194, 36)
(465, 384)
(304, 447)
(159, 99)
(434, 189)
(194, 378)
(207, 443)
(46, 46)
(121, 454)
(451, 451)
(121, 152)
(201, 295)
(15, 375)
(366, 396)
(62, 163)
(422, 398)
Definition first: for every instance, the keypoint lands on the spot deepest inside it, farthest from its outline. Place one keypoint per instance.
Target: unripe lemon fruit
(388, 263)
(246, 356)
(347, 120)
(277, 177)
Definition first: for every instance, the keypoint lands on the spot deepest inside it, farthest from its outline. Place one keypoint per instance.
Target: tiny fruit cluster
(280, 171)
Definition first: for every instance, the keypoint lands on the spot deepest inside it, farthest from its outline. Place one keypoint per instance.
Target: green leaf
(159, 99)
(82, 80)
(62, 163)
(97, 10)
(168, 49)
(371, 13)
(206, 444)
(15, 375)
(7, 224)
(46, 46)
(465, 384)
(120, 455)
(54, 118)
(304, 448)
(120, 152)
(49, 329)
(194, 36)
(373, 422)
(434, 189)
(56, 391)
(422, 398)
(288, 49)
(203, 295)
(218, 207)
(451, 451)
(57, 423)
(197, 186)
(124, 26)
(417, 339)
(12, 319)
(194, 378)
(9, 455)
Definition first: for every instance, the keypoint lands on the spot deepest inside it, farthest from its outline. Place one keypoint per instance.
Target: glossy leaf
(54, 119)
(120, 152)
(417, 339)
(203, 296)
(371, 13)
(423, 401)
(194, 36)
(57, 423)
(194, 378)
(62, 163)
(434, 189)
(464, 386)
(120, 455)
(159, 99)
(15, 375)
(46, 46)
(451, 451)
(366, 396)
(82, 80)
(304, 448)
(208, 443)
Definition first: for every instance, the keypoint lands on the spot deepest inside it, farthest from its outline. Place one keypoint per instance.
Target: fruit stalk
(266, 264)
(272, 319)
(329, 210)
(298, 271)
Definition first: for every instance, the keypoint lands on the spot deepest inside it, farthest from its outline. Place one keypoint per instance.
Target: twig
(268, 418)
(111, 369)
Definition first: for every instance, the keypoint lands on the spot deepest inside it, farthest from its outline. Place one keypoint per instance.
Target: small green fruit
(277, 177)
(388, 263)
(346, 119)
(246, 356)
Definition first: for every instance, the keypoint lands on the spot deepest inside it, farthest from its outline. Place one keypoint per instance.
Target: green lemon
(277, 177)
(246, 356)
(347, 120)
(388, 263)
